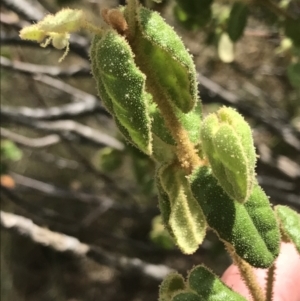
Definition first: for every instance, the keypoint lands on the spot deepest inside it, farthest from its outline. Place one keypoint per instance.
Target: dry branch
(69, 129)
(65, 243)
(32, 69)
(30, 142)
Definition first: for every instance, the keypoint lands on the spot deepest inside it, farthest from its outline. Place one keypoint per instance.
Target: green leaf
(161, 55)
(251, 228)
(186, 219)
(193, 22)
(159, 235)
(9, 151)
(227, 142)
(173, 283)
(190, 121)
(121, 85)
(101, 88)
(225, 48)
(209, 287)
(237, 20)
(186, 296)
(164, 204)
(290, 224)
(292, 30)
(192, 7)
(110, 159)
(162, 152)
(293, 73)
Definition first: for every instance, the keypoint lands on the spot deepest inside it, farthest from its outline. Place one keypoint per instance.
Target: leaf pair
(227, 142)
(251, 228)
(201, 284)
(125, 69)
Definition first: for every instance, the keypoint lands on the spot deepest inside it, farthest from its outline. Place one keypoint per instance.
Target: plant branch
(30, 142)
(29, 69)
(247, 275)
(68, 244)
(131, 16)
(270, 282)
(69, 128)
(72, 110)
(186, 152)
(27, 9)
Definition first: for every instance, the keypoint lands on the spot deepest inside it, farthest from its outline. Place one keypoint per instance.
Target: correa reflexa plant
(205, 172)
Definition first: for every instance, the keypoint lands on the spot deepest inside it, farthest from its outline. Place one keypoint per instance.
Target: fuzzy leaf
(237, 20)
(102, 91)
(190, 121)
(186, 218)
(164, 205)
(33, 33)
(161, 151)
(290, 224)
(159, 234)
(186, 296)
(209, 287)
(251, 228)
(161, 55)
(64, 21)
(121, 85)
(173, 283)
(225, 48)
(228, 144)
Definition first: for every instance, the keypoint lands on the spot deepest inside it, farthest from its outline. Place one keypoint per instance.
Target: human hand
(287, 276)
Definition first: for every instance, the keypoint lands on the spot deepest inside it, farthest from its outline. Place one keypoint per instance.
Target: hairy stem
(186, 152)
(247, 275)
(270, 282)
(131, 17)
(92, 28)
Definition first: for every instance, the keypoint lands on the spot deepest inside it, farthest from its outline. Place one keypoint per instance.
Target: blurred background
(79, 215)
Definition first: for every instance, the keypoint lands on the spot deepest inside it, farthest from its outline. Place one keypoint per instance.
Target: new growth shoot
(56, 29)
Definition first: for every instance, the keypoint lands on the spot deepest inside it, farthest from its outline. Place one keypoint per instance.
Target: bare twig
(91, 102)
(67, 128)
(85, 104)
(65, 243)
(72, 110)
(283, 164)
(80, 130)
(278, 196)
(55, 191)
(56, 160)
(78, 44)
(31, 69)
(36, 211)
(7, 40)
(30, 142)
(26, 8)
